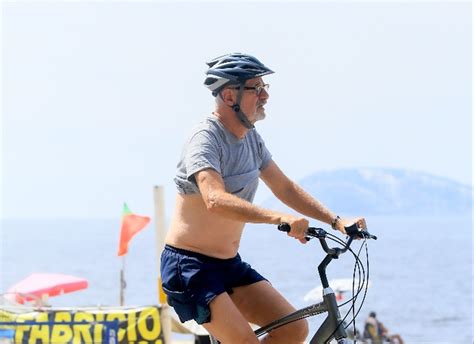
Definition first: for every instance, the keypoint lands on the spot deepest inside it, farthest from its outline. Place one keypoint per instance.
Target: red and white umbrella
(339, 285)
(38, 285)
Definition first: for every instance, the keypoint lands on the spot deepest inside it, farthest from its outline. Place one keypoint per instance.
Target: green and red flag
(131, 225)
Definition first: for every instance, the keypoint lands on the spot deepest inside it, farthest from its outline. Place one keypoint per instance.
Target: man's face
(254, 98)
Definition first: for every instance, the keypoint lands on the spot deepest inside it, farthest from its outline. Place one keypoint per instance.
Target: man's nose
(264, 94)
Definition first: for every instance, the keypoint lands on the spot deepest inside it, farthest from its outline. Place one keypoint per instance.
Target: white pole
(159, 199)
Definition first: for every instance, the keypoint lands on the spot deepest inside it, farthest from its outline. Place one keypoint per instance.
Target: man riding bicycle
(203, 275)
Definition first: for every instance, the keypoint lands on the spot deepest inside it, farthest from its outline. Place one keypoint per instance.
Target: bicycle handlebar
(352, 231)
(333, 326)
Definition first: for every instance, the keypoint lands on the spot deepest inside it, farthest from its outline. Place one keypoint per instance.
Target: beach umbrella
(338, 285)
(40, 285)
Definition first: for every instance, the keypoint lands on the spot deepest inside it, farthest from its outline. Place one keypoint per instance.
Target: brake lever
(355, 231)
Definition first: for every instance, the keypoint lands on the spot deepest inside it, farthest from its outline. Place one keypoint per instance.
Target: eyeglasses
(258, 89)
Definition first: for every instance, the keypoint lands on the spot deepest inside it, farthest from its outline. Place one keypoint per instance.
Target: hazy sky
(98, 98)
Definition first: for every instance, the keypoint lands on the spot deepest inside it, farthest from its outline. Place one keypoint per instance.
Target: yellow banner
(83, 326)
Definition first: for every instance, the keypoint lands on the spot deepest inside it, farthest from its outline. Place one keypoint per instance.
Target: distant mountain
(382, 191)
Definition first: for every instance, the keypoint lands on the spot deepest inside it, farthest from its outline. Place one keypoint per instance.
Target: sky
(99, 97)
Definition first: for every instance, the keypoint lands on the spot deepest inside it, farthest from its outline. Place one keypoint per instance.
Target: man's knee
(301, 330)
(238, 338)
(249, 340)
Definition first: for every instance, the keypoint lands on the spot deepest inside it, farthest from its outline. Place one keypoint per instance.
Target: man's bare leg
(261, 304)
(227, 324)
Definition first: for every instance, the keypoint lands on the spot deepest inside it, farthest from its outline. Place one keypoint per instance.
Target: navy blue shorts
(192, 280)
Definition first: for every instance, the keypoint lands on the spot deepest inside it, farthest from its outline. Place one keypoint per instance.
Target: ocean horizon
(420, 268)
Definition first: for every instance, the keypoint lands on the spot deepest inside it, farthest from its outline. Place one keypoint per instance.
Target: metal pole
(123, 284)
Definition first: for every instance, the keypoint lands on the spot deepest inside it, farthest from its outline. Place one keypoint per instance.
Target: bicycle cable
(363, 282)
(354, 314)
(358, 265)
(354, 298)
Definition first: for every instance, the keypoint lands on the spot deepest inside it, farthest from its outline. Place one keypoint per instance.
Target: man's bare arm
(222, 203)
(296, 198)
(293, 195)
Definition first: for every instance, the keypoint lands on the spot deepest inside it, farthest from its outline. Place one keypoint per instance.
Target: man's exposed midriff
(193, 227)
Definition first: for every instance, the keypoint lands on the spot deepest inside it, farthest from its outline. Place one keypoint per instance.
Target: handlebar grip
(352, 230)
(284, 227)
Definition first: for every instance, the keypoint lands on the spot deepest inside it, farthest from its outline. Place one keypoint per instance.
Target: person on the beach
(203, 275)
(378, 333)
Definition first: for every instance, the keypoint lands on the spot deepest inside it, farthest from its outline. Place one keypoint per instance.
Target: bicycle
(333, 326)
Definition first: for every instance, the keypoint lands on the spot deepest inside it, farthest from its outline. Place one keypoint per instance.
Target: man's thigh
(227, 323)
(260, 303)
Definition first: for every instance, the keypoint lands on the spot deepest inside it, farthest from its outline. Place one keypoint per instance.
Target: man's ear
(228, 96)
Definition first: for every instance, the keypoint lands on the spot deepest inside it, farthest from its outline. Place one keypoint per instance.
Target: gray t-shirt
(239, 162)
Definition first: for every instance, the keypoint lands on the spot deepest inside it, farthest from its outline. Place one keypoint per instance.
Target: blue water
(420, 269)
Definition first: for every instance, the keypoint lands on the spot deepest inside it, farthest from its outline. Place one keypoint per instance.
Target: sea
(420, 269)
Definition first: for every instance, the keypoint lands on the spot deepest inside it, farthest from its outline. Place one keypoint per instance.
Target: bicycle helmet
(234, 69)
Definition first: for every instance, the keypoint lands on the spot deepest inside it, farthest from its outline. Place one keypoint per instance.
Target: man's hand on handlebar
(343, 222)
(298, 226)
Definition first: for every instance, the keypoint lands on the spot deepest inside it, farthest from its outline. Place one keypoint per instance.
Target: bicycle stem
(332, 253)
(322, 271)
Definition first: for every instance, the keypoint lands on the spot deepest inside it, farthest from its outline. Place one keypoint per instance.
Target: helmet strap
(240, 115)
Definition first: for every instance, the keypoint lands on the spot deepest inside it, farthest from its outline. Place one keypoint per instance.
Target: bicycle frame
(332, 327)
(329, 329)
